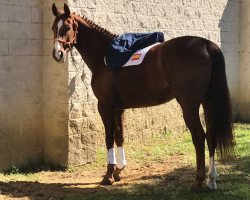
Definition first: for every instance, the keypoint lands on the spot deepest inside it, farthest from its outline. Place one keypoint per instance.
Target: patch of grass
(160, 147)
(19, 177)
(242, 134)
(27, 174)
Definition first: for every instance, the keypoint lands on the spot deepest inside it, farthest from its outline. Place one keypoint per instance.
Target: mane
(98, 28)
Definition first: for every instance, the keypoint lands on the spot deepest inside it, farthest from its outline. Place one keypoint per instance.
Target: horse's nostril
(60, 54)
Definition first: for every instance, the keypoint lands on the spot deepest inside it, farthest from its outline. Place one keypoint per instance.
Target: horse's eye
(64, 30)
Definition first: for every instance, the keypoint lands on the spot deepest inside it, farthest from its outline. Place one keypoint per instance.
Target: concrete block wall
(244, 68)
(21, 50)
(230, 43)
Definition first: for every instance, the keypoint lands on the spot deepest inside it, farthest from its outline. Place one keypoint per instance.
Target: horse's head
(65, 32)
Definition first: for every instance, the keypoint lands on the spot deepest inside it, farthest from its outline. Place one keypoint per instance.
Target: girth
(116, 88)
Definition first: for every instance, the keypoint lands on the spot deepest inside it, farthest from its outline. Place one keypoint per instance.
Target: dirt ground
(58, 185)
(156, 171)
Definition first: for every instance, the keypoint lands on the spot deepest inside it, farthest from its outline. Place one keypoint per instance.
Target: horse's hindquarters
(188, 65)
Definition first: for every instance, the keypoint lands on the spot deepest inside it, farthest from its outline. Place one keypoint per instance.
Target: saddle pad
(121, 48)
(138, 56)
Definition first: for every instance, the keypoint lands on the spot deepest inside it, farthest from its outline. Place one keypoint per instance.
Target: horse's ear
(66, 9)
(54, 9)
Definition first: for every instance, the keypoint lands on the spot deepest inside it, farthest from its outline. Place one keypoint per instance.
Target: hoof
(196, 186)
(107, 181)
(211, 184)
(117, 174)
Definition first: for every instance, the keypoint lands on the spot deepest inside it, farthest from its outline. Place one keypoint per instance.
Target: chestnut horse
(189, 69)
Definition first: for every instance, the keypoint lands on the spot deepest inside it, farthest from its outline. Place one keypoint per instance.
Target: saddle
(125, 48)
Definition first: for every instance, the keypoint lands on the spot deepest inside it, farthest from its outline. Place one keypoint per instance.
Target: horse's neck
(91, 44)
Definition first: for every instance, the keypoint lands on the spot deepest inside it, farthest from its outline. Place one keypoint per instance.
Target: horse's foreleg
(108, 117)
(119, 140)
(192, 120)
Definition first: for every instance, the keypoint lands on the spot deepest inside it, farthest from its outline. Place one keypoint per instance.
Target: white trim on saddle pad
(138, 56)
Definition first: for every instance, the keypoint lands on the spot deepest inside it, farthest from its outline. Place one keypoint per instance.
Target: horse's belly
(137, 98)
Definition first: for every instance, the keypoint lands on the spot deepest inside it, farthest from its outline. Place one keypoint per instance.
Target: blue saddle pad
(122, 48)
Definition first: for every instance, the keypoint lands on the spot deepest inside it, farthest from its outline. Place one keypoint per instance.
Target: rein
(71, 43)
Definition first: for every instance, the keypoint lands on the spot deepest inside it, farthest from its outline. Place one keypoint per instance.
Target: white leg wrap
(121, 159)
(212, 175)
(111, 159)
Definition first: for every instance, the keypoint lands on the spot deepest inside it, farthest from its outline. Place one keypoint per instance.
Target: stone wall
(21, 39)
(49, 112)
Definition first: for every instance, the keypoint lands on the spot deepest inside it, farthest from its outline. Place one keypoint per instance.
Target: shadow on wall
(230, 42)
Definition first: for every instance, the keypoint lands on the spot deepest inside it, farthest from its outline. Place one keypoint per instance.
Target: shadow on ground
(233, 184)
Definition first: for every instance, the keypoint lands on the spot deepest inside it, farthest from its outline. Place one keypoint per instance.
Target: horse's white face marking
(57, 46)
(121, 159)
(212, 175)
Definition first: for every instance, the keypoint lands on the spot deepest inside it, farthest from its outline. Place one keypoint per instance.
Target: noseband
(71, 43)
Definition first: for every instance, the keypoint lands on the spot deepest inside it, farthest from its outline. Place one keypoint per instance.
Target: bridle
(71, 43)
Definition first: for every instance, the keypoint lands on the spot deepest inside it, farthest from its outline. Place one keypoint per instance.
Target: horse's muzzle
(59, 56)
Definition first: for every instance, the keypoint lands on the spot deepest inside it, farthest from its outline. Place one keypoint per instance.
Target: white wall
(244, 68)
(21, 50)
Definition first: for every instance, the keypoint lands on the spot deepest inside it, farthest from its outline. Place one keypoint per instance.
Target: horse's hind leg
(212, 174)
(192, 120)
(119, 140)
(211, 143)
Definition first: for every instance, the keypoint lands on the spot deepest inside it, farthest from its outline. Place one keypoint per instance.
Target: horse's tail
(217, 106)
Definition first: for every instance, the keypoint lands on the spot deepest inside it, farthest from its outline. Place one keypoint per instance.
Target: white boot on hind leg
(211, 184)
(212, 175)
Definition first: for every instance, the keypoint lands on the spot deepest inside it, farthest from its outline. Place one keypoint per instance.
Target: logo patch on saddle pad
(138, 56)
